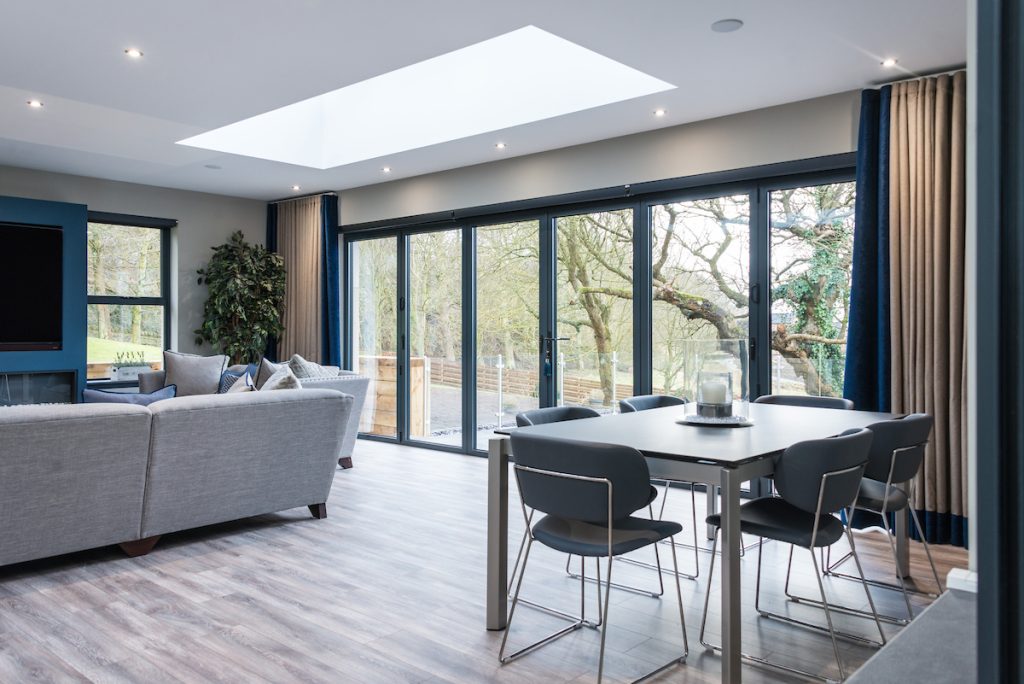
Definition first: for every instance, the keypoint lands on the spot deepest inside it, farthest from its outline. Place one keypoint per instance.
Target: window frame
(164, 300)
(756, 182)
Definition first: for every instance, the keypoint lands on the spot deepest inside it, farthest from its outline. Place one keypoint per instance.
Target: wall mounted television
(31, 287)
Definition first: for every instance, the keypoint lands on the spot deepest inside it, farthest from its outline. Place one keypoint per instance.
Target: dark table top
(656, 434)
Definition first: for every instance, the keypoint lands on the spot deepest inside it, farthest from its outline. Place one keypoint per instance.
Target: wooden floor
(389, 588)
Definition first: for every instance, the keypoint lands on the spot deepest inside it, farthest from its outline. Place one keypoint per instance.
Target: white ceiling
(208, 64)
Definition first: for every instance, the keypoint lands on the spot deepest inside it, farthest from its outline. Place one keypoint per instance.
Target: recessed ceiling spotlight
(35, 104)
(385, 169)
(296, 188)
(727, 25)
(134, 53)
(889, 62)
(500, 146)
(660, 112)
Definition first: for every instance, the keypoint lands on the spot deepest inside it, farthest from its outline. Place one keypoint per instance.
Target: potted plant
(127, 366)
(244, 307)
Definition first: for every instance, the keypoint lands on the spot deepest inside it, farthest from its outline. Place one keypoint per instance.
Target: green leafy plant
(245, 305)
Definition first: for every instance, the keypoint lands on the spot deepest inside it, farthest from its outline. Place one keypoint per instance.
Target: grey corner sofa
(346, 382)
(81, 476)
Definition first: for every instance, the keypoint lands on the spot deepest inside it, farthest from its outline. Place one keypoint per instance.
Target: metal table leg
(731, 543)
(903, 538)
(497, 532)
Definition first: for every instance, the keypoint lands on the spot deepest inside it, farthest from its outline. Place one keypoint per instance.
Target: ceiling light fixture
(889, 62)
(385, 169)
(35, 104)
(215, 167)
(500, 146)
(296, 188)
(727, 25)
(530, 75)
(660, 112)
(134, 53)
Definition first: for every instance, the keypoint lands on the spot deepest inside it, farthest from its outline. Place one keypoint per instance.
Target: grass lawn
(104, 351)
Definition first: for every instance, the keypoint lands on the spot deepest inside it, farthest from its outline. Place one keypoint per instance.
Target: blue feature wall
(73, 218)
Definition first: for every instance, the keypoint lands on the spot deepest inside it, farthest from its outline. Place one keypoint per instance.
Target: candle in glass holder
(713, 392)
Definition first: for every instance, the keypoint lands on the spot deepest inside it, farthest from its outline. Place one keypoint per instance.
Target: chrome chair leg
(927, 549)
(577, 623)
(671, 541)
(682, 622)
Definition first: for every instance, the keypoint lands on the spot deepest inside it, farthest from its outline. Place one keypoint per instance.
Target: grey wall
(203, 221)
(800, 130)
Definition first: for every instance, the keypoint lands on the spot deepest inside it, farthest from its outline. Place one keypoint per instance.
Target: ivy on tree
(245, 305)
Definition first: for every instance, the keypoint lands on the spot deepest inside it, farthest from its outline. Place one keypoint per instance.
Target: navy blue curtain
(271, 350)
(331, 282)
(868, 339)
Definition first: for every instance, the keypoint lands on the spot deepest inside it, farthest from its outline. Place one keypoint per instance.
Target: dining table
(678, 451)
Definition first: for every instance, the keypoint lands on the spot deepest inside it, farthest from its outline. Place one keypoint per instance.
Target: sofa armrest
(151, 382)
(354, 385)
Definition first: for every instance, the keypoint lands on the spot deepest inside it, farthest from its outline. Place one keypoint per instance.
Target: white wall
(800, 130)
(203, 221)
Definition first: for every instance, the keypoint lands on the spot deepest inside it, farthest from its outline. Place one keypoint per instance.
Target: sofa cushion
(308, 369)
(282, 379)
(95, 396)
(242, 384)
(194, 374)
(265, 370)
(227, 379)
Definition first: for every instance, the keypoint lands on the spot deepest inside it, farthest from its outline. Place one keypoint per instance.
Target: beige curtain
(927, 224)
(300, 244)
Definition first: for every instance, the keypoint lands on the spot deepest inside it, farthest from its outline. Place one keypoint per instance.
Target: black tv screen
(31, 283)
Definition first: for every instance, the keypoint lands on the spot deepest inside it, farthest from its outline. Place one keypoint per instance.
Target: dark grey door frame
(999, 300)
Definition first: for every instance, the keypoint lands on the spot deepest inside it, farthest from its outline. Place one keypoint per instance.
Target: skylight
(516, 78)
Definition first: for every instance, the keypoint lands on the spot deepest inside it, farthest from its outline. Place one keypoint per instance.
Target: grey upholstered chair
(815, 479)
(587, 493)
(646, 402)
(807, 401)
(554, 414)
(560, 414)
(897, 453)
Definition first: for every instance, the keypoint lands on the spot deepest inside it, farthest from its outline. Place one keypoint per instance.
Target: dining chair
(559, 414)
(806, 401)
(587, 493)
(896, 456)
(815, 479)
(646, 402)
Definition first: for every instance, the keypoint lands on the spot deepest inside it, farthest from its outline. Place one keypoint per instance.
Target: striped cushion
(307, 369)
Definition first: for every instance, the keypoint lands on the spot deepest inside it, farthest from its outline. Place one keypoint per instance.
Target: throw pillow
(266, 369)
(227, 379)
(194, 374)
(242, 384)
(307, 369)
(95, 396)
(282, 379)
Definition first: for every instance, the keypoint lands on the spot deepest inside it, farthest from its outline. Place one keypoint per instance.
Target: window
(129, 293)
(586, 301)
(811, 238)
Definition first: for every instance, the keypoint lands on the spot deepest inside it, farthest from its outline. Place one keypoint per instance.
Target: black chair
(587, 493)
(560, 414)
(897, 454)
(809, 402)
(815, 479)
(554, 414)
(646, 402)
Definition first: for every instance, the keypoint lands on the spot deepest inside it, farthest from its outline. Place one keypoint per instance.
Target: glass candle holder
(714, 394)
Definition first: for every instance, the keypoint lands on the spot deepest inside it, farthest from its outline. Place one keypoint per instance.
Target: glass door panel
(374, 280)
(594, 296)
(811, 237)
(435, 337)
(700, 263)
(507, 301)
